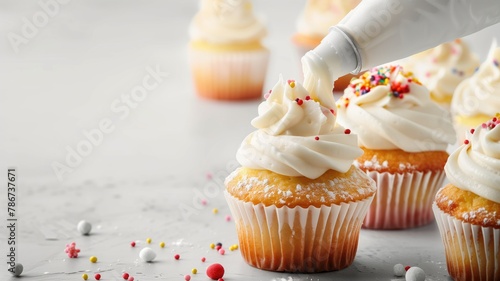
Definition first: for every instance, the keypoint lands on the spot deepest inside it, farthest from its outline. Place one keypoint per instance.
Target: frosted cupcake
(442, 68)
(478, 97)
(467, 210)
(297, 200)
(313, 25)
(228, 61)
(404, 135)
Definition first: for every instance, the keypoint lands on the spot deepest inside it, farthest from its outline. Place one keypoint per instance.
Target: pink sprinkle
(203, 259)
(131, 278)
(187, 277)
(71, 250)
(209, 176)
(228, 218)
(222, 251)
(220, 279)
(204, 202)
(484, 125)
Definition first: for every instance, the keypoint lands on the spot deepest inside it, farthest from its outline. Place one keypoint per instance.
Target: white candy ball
(18, 269)
(399, 270)
(147, 254)
(415, 274)
(84, 227)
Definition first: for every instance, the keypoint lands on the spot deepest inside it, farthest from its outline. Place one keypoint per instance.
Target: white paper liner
(298, 239)
(403, 200)
(231, 75)
(472, 251)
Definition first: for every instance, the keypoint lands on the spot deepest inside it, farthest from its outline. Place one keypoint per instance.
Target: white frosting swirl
(226, 22)
(297, 135)
(480, 93)
(476, 166)
(373, 109)
(442, 68)
(319, 15)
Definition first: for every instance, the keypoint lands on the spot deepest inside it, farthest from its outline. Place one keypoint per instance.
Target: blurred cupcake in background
(404, 136)
(442, 68)
(477, 97)
(467, 209)
(228, 60)
(313, 25)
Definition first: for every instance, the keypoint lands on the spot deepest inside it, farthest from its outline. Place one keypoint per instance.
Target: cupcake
(467, 210)
(404, 136)
(313, 25)
(478, 97)
(228, 61)
(442, 68)
(297, 200)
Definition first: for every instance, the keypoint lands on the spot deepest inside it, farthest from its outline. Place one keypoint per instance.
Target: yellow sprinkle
(212, 246)
(231, 248)
(148, 240)
(215, 210)
(85, 276)
(93, 259)
(292, 84)
(194, 270)
(162, 244)
(235, 246)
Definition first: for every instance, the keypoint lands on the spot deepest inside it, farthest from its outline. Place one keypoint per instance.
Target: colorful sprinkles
(393, 76)
(490, 125)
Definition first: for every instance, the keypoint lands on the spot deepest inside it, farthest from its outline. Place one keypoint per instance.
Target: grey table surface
(63, 71)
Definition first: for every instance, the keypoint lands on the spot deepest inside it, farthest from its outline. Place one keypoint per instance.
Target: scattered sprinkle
(187, 277)
(177, 256)
(71, 250)
(415, 274)
(162, 244)
(472, 131)
(125, 276)
(93, 259)
(215, 210)
(85, 276)
(222, 251)
(97, 276)
(194, 270)
(84, 227)
(215, 271)
(147, 254)
(204, 202)
(308, 97)
(299, 101)
(399, 270)
(203, 259)
(466, 142)
(212, 246)
(347, 131)
(228, 218)
(132, 244)
(148, 240)
(131, 278)
(316, 138)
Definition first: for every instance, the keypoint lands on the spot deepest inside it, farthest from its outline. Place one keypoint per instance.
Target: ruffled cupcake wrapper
(232, 75)
(403, 200)
(298, 239)
(472, 251)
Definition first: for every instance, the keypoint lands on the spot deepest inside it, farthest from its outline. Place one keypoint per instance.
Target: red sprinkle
(299, 101)
(308, 97)
(407, 267)
(332, 111)
(347, 131)
(218, 247)
(177, 256)
(316, 138)
(203, 259)
(132, 244)
(215, 271)
(472, 131)
(125, 276)
(131, 278)
(97, 276)
(222, 251)
(220, 279)
(466, 141)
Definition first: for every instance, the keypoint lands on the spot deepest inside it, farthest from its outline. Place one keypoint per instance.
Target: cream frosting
(297, 135)
(442, 68)
(475, 166)
(480, 93)
(319, 15)
(226, 22)
(390, 109)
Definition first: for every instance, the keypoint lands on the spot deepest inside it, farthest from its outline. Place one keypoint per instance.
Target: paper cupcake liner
(403, 200)
(472, 251)
(298, 239)
(231, 75)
